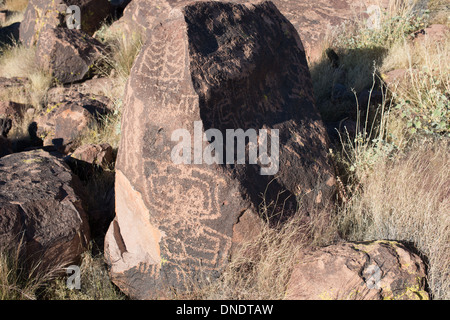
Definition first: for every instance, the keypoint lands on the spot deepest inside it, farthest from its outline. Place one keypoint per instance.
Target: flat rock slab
(39, 201)
(373, 270)
(223, 66)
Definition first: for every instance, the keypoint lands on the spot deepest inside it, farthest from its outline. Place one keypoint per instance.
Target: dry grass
(360, 49)
(123, 48)
(396, 169)
(106, 130)
(15, 17)
(94, 283)
(117, 64)
(422, 99)
(15, 5)
(21, 280)
(260, 268)
(19, 61)
(407, 199)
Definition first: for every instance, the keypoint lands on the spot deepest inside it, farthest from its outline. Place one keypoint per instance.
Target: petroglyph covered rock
(211, 67)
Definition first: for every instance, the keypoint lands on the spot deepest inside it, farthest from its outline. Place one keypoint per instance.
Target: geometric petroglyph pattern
(227, 66)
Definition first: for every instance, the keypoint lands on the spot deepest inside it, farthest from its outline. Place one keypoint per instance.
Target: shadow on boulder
(9, 35)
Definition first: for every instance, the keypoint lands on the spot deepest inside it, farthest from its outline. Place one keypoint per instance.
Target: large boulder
(218, 66)
(40, 209)
(312, 19)
(42, 15)
(69, 55)
(358, 271)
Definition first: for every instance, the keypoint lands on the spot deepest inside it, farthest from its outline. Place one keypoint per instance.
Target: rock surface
(12, 85)
(433, 33)
(63, 126)
(66, 117)
(70, 55)
(42, 15)
(312, 19)
(86, 93)
(39, 201)
(177, 223)
(95, 154)
(12, 110)
(398, 77)
(358, 271)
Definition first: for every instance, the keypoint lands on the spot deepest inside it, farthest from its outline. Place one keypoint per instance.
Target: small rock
(95, 154)
(13, 83)
(63, 125)
(30, 111)
(89, 92)
(363, 271)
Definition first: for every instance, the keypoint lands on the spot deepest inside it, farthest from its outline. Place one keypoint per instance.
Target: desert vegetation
(389, 145)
